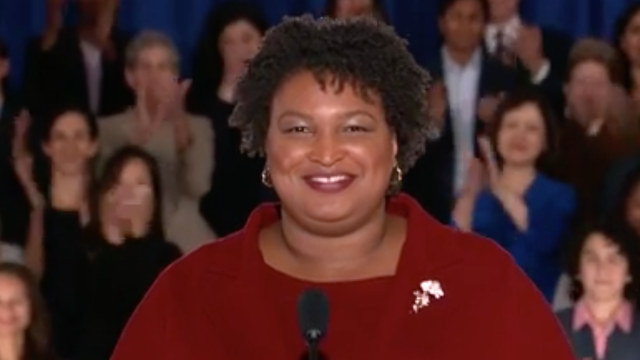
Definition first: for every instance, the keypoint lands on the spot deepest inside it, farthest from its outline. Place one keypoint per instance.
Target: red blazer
(223, 302)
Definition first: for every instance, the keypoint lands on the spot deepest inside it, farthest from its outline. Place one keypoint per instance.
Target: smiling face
(238, 43)
(462, 25)
(132, 194)
(604, 270)
(15, 306)
(522, 136)
(330, 152)
(154, 70)
(70, 145)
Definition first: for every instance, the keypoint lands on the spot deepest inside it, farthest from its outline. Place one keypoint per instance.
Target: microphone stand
(313, 350)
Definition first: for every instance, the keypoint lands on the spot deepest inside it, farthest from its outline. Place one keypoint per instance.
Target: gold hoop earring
(266, 177)
(396, 178)
(395, 182)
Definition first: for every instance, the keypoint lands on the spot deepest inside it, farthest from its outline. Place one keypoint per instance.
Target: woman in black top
(54, 251)
(232, 35)
(126, 246)
(24, 330)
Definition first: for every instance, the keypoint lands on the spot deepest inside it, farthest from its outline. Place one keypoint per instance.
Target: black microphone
(313, 317)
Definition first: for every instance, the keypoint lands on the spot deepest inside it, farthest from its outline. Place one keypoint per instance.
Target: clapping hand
(487, 107)
(493, 170)
(147, 123)
(474, 181)
(119, 214)
(112, 221)
(173, 109)
(170, 104)
(172, 95)
(437, 100)
(512, 202)
(528, 48)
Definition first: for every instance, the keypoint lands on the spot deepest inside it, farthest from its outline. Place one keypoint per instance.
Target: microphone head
(313, 315)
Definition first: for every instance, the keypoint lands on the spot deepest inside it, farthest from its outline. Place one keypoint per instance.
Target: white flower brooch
(429, 289)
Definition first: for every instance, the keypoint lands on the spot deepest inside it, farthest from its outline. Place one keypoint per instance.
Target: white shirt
(93, 70)
(462, 82)
(510, 31)
(11, 253)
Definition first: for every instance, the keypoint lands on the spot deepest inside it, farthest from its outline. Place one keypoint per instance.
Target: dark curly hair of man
(360, 52)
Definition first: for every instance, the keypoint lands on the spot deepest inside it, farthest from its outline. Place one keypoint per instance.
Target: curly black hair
(618, 235)
(361, 52)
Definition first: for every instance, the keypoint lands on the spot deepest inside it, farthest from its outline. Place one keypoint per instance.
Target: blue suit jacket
(551, 206)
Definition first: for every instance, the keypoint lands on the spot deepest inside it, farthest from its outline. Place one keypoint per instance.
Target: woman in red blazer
(338, 108)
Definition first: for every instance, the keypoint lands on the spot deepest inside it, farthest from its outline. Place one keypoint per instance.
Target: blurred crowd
(112, 166)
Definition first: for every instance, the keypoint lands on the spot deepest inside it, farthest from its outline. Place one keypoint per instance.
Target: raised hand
(528, 48)
(23, 160)
(437, 98)
(104, 26)
(54, 22)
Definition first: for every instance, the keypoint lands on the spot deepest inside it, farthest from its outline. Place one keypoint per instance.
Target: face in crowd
(328, 149)
(154, 73)
(603, 269)
(462, 25)
(503, 10)
(130, 197)
(588, 92)
(629, 40)
(71, 143)
(238, 43)
(521, 136)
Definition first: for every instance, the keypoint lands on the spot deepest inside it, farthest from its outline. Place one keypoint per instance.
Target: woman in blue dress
(508, 199)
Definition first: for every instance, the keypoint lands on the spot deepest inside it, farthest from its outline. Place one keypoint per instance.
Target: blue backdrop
(414, 19)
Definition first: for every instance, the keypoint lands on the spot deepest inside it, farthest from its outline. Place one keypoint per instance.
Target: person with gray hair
(181, 143)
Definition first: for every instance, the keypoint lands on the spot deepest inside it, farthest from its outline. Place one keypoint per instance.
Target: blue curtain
(413, 19)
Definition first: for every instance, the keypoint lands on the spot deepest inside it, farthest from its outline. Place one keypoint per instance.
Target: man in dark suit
(468, 86)
(80, 66)
(538, 54)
